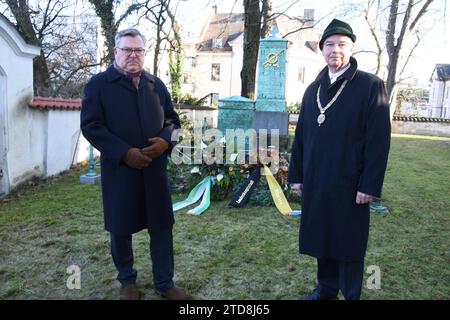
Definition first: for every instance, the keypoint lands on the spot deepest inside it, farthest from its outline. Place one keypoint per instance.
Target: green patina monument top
(236, 99)
(236, 103)
(272, 73)
(274, 36)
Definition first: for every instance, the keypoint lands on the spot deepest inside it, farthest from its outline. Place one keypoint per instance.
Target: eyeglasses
(128, 51)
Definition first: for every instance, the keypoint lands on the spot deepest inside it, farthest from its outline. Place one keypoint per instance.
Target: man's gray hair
(127, 33)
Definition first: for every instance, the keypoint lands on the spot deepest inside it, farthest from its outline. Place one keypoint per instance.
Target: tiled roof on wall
(49, 103)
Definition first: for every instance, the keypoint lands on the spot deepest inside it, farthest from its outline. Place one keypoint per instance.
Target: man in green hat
(339, 158)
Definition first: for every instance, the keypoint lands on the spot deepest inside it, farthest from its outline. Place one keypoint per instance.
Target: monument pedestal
(270, 121)
(90, 179)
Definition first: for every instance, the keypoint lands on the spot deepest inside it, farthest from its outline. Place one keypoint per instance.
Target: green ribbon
(205, 200)
(193, 196)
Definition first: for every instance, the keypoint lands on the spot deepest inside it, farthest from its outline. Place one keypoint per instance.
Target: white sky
(435, 48)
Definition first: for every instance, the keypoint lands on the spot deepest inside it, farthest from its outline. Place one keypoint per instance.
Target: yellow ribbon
(277, 193)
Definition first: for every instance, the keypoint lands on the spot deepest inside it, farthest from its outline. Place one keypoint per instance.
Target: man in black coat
(339, 158)
(127, 114)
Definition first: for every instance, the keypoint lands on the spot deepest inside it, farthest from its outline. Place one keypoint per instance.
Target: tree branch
(404, 24)
(422, 11)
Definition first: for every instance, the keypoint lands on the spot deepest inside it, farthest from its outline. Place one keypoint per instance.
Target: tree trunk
(157, 50)
(266, 13)
(41, 76)
(109, 33)
(175, 57)
(105, 11)
(252, 29)
(391, 80)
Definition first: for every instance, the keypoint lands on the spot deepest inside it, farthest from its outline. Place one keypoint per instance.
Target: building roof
(441, 72)
(222, 28)
(49, 103)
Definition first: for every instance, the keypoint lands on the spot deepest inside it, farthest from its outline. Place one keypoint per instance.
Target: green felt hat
(337, 27)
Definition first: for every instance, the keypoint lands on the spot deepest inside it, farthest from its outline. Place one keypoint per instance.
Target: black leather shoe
(318, 295)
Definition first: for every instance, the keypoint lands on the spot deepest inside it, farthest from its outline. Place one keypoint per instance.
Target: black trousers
(334, 275)
(161, 252)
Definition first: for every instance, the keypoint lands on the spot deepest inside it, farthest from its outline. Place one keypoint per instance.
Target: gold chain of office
(321, 117)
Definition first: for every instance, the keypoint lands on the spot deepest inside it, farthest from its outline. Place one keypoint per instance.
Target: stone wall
(440, 129)
(200, 116)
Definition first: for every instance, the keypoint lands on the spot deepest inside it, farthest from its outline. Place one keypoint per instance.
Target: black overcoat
(346, 154)
(116, 116)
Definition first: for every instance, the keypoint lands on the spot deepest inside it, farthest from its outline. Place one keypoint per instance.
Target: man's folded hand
(134, 158)
(156, 148)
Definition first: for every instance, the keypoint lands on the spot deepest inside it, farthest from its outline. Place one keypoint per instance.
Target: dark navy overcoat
(346, 154)
(116, 116)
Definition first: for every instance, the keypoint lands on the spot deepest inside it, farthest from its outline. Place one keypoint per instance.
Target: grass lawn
(227, 253)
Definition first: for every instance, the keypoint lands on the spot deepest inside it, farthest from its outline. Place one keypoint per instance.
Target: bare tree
(394, 41)
(23, 16)
(176, 50)
(393, 24)
(65, 54)
(372, 24)
(72, 56)
(156, 14)
(107, 10)
(166, 39)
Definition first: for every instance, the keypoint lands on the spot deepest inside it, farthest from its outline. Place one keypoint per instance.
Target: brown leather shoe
(175, 293)
(129, 292)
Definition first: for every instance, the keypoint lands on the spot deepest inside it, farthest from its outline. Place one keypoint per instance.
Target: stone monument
(269, 110)
(270, 106)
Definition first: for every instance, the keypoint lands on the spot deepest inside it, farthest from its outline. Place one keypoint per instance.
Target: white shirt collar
(334, 76)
